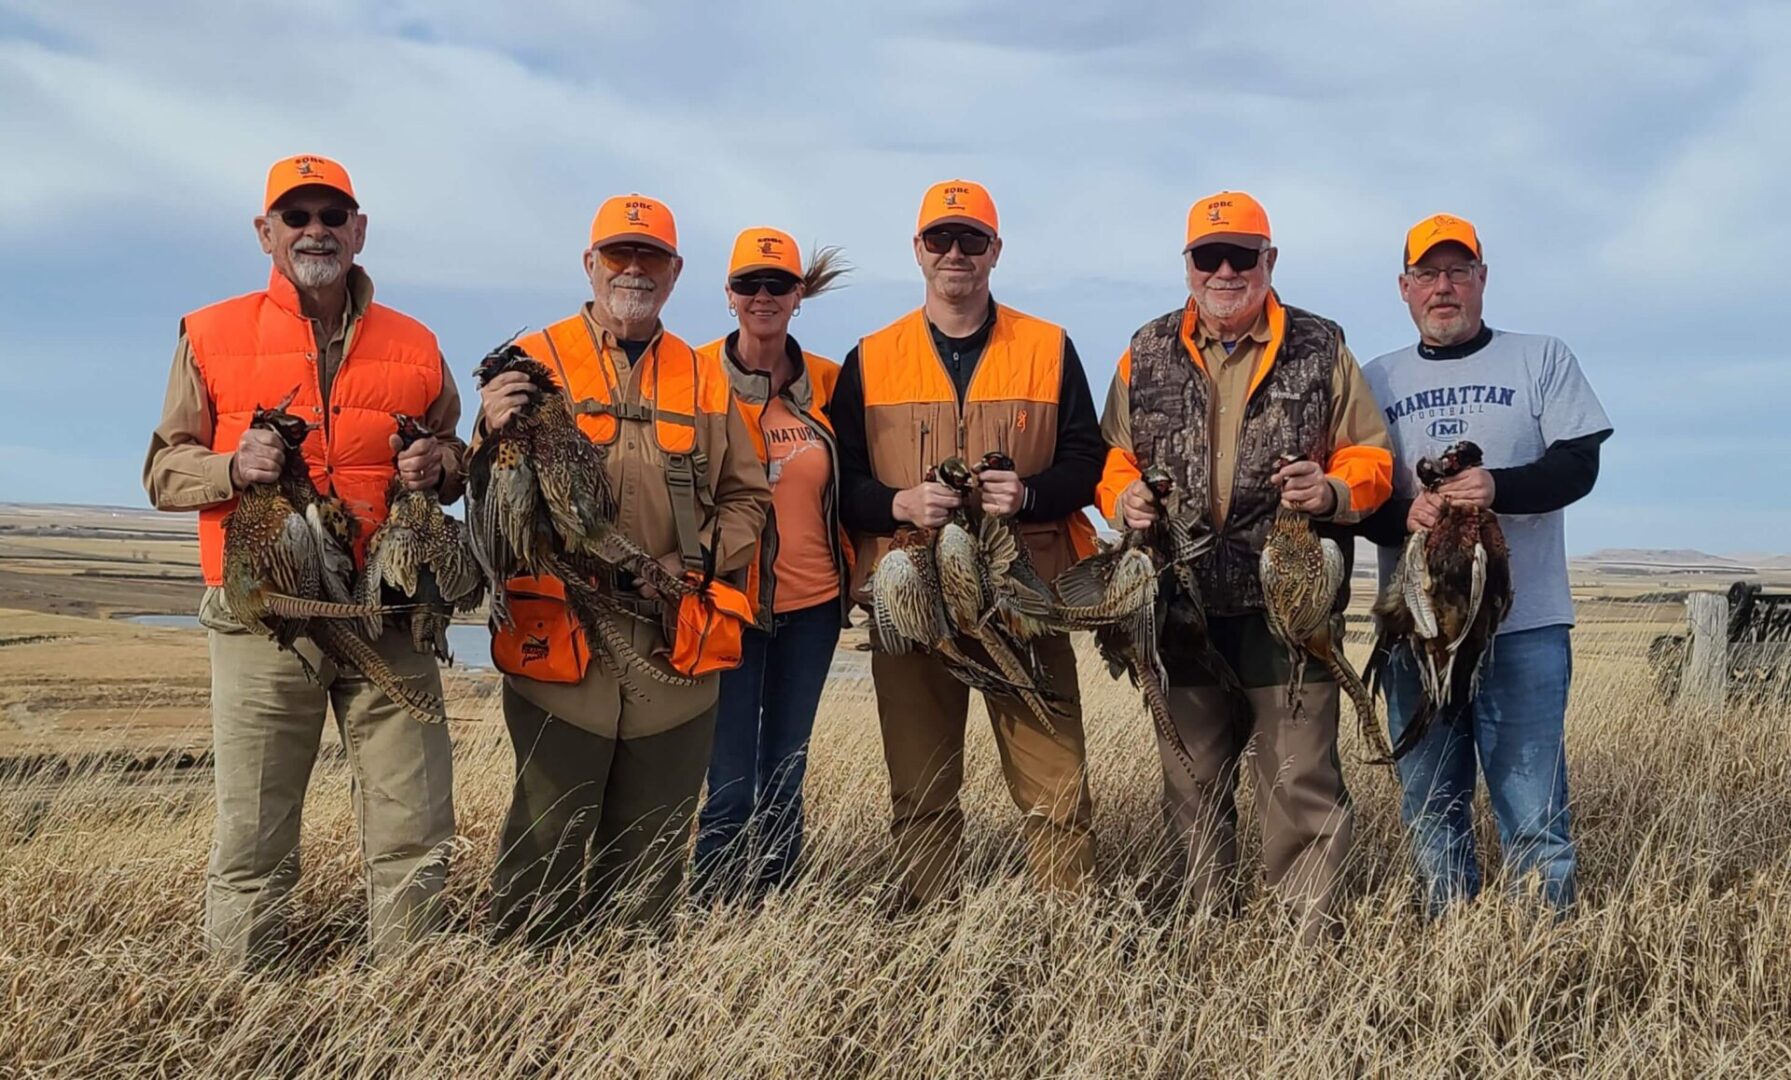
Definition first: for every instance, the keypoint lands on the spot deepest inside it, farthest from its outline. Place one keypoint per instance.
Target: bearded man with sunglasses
(607, 776)
(1221, 391)
(1524, 401)
(349, 364)
(965, 376)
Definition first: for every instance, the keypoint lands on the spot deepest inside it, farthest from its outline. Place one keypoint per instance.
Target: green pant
(267, 723)
(1303, 806)
(597, 827)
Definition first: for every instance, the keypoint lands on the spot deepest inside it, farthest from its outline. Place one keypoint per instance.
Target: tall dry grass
(1677, 964)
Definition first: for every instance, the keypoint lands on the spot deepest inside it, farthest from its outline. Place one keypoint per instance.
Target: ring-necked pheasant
(539, 503)
(908, 613)
(1116, 593)
(422, 555)
(1301, 574)
(1448, 594)
(288, 567)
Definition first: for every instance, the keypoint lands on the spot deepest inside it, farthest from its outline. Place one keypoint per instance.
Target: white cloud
(1611, 152)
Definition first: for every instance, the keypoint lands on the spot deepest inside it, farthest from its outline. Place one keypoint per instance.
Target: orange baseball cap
(1440, 229)
(765, 248)
(1230, 217)
(636, 219)
(958, 201)
(304, 170)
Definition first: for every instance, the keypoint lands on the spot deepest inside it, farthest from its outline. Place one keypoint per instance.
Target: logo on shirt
(1451, 402)
(1447, 427)
(1020, 420)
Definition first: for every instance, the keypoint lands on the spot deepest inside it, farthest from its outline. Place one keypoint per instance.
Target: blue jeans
(750, 829)
(1514, 725)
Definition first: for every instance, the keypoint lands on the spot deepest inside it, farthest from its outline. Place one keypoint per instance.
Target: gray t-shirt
(1514, 397)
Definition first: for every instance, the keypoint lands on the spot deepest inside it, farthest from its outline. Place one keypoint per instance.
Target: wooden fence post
(1706, 679)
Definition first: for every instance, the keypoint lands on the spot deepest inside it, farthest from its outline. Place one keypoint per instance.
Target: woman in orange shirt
(750, 830)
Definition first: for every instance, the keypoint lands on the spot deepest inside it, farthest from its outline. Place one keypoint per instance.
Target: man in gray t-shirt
(1524, 401)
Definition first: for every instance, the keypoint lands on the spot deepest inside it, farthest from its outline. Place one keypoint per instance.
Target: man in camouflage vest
(1217, 391)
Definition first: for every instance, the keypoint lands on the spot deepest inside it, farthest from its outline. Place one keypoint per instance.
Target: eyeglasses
(619, 257)
(1460, 274)
(1207, 257)
(333, 217)
(775, 284)
(969, 241)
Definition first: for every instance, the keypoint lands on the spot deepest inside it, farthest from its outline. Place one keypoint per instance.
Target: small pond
(469, 642)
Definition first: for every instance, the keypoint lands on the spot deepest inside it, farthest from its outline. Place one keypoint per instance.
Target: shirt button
(1221, 410)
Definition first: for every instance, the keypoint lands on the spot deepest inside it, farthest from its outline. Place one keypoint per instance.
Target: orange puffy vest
(545, 641)
(913, 420)
(253, 349)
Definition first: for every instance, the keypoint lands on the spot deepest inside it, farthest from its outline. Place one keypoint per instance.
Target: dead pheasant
(1301, 574)
(539, 503)
(908, 611)
(1448, 594)
(421, 554)
(1115, 593)
(287, 567)
(983, 590)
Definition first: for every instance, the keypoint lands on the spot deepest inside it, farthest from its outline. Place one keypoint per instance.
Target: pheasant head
(1160, 481)
(954, 473)
(291, 430)
(411, 430)
(509, 357)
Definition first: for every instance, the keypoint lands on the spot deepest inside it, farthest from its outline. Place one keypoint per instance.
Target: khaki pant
(922, 709)
(1305, 812)
(267, 723)
(597, 827)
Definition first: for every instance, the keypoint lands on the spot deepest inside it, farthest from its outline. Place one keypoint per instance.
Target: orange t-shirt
(799, 469)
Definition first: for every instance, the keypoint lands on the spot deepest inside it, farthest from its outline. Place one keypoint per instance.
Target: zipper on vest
(315, 354)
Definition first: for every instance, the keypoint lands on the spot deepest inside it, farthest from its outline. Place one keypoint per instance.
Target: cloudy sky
(1626, 163)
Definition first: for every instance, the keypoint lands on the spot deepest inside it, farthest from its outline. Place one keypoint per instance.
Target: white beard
(633, 305)
(310, 272)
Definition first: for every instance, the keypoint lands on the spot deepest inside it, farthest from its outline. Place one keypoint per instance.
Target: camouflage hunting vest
(1288, 411)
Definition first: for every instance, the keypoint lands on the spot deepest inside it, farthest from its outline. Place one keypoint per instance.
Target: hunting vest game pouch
(545, 641)
(713, 618)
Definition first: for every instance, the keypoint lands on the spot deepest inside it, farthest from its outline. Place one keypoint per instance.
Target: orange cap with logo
(304, 170)
(765, 248)
(961, 201)
(634, 219)
(1230, 217)
(1440, 229)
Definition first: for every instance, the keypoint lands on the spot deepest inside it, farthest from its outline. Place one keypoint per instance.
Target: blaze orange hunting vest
(544, 641)
(808, 396)
(913, 420)
(254, 349)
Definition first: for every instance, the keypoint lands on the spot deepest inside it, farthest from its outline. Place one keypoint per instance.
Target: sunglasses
(775, 284)
(1207, 257)
(333, 217)
(619, 257)
(969, 241)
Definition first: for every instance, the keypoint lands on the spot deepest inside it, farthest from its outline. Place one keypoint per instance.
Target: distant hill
(1673, 560)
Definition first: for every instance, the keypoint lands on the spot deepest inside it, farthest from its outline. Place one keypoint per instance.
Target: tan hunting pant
(267, 723)
(1305, 812)
(922, 710)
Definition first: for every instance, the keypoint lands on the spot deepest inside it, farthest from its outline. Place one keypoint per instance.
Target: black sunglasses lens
(777, 285)
(969, 242)
(1208, 257)
(333, 217)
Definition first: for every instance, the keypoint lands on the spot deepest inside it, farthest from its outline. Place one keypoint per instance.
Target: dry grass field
(1678, 962)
